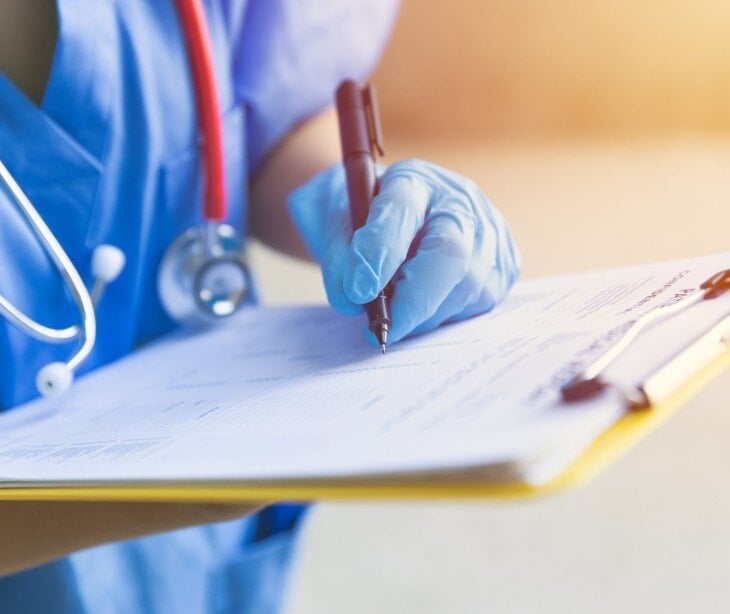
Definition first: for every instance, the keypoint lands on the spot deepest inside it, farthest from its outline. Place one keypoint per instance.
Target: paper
(290, 393)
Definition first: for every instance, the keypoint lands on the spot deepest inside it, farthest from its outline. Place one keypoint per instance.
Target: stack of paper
(295, 394)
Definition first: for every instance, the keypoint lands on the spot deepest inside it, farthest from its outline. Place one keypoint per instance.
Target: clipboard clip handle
(589, 383)
(717, 284)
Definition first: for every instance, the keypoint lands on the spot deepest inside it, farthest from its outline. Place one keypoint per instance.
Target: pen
(361, 139)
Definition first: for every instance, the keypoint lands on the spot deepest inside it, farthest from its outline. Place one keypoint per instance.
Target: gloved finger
(333, 263)
(397, 213)
(319, 211)
(454, 309)
(461, 301)
(492, 273)
(441, 261)
(458, 302)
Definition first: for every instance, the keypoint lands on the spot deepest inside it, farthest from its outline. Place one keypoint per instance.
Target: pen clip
(373, 119)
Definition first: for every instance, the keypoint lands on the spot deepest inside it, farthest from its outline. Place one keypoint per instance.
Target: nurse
(98, 125)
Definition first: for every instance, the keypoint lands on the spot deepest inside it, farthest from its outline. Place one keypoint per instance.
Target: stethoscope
(203, 275)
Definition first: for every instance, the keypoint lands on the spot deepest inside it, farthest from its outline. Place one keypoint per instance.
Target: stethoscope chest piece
(204, 275)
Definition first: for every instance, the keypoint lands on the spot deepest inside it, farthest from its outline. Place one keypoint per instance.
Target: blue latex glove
(448, 250)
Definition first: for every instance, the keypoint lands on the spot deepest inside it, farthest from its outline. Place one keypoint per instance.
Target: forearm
(309, 148)
(32, 533)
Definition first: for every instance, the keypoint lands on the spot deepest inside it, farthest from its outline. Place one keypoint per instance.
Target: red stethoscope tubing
(192, 19)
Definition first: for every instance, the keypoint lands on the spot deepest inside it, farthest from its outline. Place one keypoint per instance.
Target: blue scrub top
(112, 156)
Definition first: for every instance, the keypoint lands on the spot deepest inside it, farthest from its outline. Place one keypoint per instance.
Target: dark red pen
(362, 140)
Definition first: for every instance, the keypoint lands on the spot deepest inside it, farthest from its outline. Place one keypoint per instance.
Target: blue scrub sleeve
(289, 57)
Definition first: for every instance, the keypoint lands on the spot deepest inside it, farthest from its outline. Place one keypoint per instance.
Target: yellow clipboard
(613, 443)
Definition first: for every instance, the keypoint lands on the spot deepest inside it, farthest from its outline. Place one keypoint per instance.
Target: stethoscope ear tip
(107, 262)
(54, 379)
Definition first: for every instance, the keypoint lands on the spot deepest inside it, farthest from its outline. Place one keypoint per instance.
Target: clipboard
(612, 443)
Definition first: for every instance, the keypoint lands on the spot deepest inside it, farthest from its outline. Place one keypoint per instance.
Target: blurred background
(602, 131)
(557, 68)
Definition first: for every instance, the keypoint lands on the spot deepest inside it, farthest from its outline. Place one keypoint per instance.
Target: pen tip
(381, 335)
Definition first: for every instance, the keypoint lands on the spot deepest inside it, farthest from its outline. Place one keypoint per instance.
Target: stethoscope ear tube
(86, 330)
(207, 262)
(200, 55)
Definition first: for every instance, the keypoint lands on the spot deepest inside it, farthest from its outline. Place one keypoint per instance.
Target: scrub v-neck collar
(77, 97)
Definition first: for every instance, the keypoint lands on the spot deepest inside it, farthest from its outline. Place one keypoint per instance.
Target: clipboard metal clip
(661, 383)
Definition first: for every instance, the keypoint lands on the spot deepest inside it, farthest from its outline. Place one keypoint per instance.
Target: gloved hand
(448, 250)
